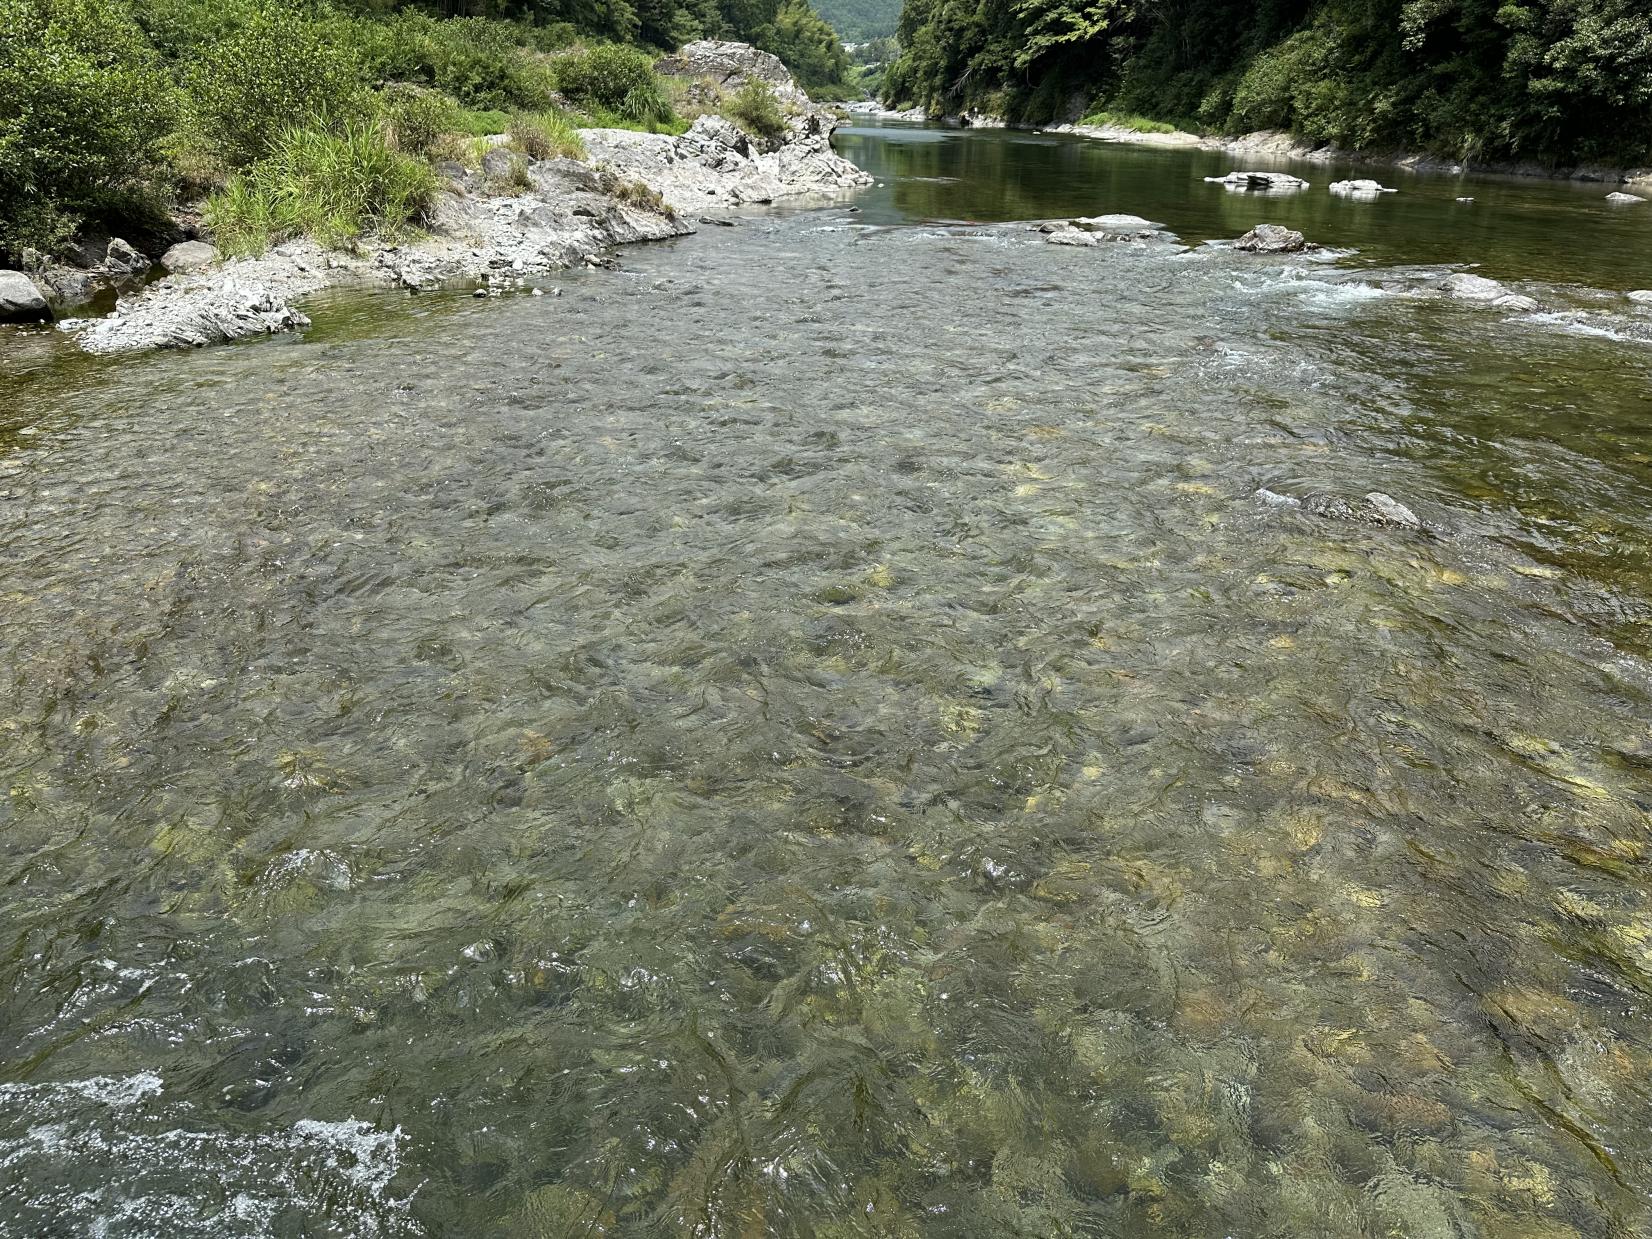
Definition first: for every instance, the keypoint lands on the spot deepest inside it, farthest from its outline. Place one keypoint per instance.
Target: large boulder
(20, 300)
(730, 66)
(1271, 239)
(189, 256)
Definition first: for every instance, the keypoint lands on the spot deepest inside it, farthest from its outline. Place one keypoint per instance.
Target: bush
(618, 80)
(334, 187)
(414, 117)
(476, 61)
(546, 135)
(84, 106)
(278, 71)
(755, 109)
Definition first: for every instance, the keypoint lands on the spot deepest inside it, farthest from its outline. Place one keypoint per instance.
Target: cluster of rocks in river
(634, 187)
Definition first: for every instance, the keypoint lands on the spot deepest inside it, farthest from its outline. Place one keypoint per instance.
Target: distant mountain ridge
(861, 21)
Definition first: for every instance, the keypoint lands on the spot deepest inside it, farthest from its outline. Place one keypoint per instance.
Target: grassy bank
(292, 117)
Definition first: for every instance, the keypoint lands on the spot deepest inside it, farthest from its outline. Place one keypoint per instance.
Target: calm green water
(814, 735)
(1516, 228)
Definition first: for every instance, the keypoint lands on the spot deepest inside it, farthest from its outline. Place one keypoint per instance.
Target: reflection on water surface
(813, 735)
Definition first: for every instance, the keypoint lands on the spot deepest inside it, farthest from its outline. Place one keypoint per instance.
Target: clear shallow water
(814, 735)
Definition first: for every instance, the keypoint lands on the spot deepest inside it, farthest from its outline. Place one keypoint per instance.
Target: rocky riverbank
(1276, 144)
(499, 224)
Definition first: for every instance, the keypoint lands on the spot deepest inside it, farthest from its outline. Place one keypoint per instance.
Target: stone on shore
(1271, 239)
(204, 315)
(124, 259)
(189, 256)
(20, 300)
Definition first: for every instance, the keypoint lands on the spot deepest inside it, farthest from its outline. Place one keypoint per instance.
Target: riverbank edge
(636, 187)
(1278, 144)
(498, 225)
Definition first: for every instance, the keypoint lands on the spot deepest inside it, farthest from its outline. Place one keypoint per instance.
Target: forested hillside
(309, 116)
(1561, 81)
(861, 21)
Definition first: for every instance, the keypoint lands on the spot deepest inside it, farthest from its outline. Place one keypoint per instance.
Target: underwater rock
(1271, 239)
(1380, 508)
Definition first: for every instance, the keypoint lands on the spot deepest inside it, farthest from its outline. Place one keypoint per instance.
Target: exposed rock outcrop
(1091, 230)
(204, 315)
(1271, 239)
(730, 66)
(715, 163)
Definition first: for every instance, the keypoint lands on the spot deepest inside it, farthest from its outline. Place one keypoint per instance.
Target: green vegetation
(756, 110)
(861, 21)
(316, 117)
(85, 111)
(334, 187)
(1127, 120)
(546, 135)
(1558, 81)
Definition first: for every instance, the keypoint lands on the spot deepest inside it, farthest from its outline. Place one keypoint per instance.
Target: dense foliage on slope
(111, 109)
(861, 21)
(1561, 81)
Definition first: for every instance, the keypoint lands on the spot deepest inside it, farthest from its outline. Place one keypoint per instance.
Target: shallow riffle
(815, 734)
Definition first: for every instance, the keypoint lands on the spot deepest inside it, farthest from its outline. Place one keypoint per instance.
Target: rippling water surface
(814, 734)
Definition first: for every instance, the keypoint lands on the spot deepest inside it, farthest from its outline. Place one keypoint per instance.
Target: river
(815, 734)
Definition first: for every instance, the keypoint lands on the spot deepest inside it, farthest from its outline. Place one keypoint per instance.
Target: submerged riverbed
(815, 734)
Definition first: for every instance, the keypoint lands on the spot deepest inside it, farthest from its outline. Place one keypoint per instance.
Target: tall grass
(335, 187)
(546, 135)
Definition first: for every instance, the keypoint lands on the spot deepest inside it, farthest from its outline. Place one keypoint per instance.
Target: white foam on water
(106, 1155)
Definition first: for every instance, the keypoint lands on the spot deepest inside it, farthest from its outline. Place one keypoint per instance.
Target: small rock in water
(1271, 239)
(1619, 196)
(1258, 181)
(539, 292)
(1465, 200)
(1274, 498)
(480, 292)
(1471, 287)
(1360, 189)
(1392, 511)
(1643, 296)
(1516, 302)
